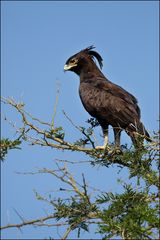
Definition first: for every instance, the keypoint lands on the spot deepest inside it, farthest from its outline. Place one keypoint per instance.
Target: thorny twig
(79, 129)
(28, 222)
(55, 106)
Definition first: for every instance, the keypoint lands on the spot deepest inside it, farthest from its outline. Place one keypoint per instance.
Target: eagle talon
(116, 151)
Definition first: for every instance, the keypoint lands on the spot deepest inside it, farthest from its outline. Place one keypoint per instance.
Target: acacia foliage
(131, 214)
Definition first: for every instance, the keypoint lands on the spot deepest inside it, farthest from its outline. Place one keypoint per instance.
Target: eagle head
(81, 59)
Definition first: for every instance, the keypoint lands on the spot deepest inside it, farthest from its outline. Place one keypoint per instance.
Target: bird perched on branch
(109, 103)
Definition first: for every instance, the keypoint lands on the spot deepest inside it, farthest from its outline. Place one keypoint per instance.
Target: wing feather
(109, 102)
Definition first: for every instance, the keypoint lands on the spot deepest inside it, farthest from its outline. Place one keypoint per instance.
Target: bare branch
(55, 105)
(80, 129)
(28, 222)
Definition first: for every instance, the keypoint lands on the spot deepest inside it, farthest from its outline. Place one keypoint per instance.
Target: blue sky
(37, 38)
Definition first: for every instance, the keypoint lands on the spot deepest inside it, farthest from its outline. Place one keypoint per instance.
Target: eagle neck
(89, 74)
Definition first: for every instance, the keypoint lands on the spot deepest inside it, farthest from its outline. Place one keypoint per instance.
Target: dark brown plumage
(107, 102)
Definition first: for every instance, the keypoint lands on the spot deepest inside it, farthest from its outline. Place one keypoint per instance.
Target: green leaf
(6, 145)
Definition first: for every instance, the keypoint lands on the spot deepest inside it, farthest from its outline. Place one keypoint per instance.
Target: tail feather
(141, 130)
(138, 128)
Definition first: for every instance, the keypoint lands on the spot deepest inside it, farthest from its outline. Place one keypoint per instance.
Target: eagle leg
(117, 135)
(105, 135)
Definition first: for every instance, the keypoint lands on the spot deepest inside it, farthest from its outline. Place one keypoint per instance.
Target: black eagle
(109, 103)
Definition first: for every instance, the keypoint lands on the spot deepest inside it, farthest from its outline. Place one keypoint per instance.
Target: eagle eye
(72, 60)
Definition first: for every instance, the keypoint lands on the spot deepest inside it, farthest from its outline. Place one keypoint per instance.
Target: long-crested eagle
(109, 103)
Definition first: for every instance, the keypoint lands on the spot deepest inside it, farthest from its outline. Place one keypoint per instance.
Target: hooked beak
(69, 66)
(66, 67)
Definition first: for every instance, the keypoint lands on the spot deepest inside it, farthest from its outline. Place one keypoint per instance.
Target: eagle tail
(140, 129)
(143, 132)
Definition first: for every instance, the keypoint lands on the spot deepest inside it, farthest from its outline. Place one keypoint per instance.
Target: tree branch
(29, 222)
